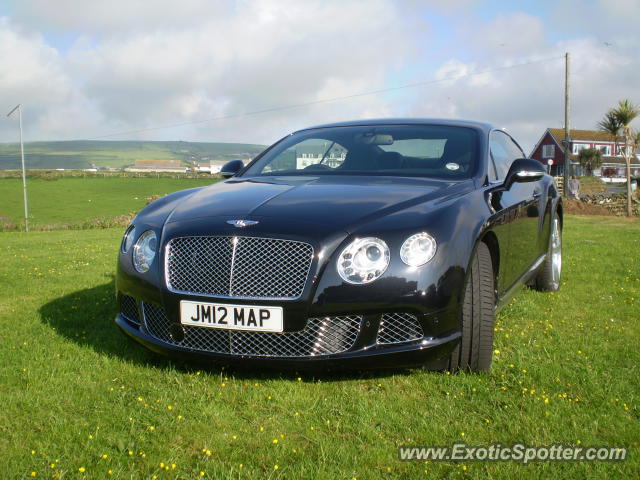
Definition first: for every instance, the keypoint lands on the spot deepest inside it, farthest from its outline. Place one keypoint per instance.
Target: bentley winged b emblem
(242, 223)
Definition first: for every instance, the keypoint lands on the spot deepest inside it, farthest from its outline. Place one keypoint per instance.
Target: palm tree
(617, 122)
(590, 158)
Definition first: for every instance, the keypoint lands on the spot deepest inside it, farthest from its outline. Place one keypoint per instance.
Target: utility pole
(567, 134)
(24, 175)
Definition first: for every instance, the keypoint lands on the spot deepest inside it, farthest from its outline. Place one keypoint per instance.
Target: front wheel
(475, 350)
(548, 279)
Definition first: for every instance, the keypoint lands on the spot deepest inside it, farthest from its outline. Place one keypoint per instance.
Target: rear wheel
(475, 350)
(548, 279)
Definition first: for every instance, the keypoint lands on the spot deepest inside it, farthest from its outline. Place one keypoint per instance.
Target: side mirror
(524, 170)
(229, 169)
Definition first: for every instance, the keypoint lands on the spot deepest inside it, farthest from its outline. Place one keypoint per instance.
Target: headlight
(418, 249)
(144, 251)
(127, 240)
(364, 260)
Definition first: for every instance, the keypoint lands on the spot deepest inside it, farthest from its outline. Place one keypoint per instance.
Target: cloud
(269, 54)
(124, 66)
(32, 74)
(115, 16)
(506, 34)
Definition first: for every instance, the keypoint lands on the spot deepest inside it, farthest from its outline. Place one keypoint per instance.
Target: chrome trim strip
(234, 241)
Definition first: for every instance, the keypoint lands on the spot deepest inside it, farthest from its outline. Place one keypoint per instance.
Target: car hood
(337, 202)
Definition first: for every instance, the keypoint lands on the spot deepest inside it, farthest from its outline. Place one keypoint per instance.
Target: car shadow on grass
(86, 317)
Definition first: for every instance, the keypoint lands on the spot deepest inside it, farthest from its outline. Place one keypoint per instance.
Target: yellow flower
(275, 440)
(33, 474)
(276, 467)
(81, 469)
(104, 456)
(202, 474)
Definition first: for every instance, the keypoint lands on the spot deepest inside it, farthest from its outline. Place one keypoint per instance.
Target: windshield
(434, 151)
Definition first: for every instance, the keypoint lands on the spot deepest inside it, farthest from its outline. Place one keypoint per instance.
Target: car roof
(485, 127)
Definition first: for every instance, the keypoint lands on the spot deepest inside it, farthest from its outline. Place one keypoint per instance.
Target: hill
(95, 153)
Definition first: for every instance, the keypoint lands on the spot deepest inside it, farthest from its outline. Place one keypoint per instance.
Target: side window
(503, 151)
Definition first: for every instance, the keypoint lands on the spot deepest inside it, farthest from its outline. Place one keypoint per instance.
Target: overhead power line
(328, 100)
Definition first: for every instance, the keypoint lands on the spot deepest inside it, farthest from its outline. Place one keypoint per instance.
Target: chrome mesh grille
(399, 328)
(241, 267)
(156, 321)
(129, 308)
(321, 336)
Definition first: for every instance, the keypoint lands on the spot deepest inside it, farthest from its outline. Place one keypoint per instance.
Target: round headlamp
(363, 260)
(418, 249)
(144, 251)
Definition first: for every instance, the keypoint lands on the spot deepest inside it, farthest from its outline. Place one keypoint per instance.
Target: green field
(85, 153)
(78, 200)
(81, 401)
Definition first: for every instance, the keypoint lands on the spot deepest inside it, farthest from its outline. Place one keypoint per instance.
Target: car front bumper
(361, 350)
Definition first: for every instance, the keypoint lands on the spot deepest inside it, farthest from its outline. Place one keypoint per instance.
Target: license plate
(231, 317)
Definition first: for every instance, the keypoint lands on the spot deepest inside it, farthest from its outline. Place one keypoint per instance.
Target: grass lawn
(80, 401)
(74, 200)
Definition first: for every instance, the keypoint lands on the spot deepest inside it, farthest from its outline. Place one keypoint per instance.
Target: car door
(521, 210)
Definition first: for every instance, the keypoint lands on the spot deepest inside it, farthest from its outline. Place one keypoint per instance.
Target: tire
(475, 350)
(548, 279)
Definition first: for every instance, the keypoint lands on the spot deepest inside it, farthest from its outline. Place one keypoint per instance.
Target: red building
(550, 147)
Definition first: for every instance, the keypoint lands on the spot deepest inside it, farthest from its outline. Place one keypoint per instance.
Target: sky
(254, 71)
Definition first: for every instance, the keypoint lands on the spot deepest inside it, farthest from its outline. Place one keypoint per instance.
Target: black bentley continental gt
(382, 243)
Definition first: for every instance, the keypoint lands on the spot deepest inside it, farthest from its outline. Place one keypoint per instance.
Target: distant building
(161, 166)
(214, 167)
(549, 147)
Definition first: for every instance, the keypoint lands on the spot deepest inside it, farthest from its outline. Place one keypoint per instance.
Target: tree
(617, 122)
(590, 158)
